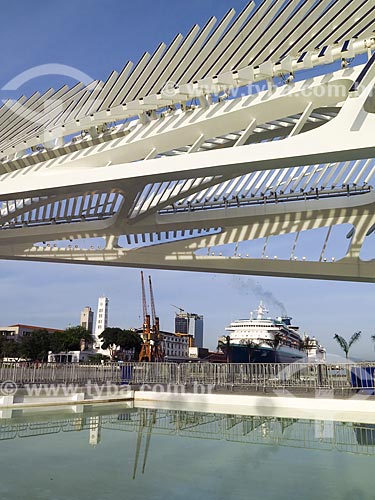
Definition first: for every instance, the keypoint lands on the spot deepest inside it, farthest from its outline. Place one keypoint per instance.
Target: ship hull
(244, 354)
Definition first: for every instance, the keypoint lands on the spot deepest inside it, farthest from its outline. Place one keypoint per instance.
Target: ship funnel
(261, 311)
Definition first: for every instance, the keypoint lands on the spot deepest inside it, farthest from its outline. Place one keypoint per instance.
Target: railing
(260, 376)
(51, 373)
(236, 202)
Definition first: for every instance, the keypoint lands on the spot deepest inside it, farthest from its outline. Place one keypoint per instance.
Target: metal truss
(221, 137)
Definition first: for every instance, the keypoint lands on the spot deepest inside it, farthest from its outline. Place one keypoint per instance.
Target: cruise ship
(263, 340)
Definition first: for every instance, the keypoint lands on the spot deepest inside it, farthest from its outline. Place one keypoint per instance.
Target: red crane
(146, 316)
(145, 354)
(151, 348)
(157, 351)
(144, 303)
(154, 318)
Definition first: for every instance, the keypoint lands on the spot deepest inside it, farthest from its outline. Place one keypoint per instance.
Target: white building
(174, 346)
(16, 332)
(315, 352)
(69, 357)
(101, 321)
(95, 430)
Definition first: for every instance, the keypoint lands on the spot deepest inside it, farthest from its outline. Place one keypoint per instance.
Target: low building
(174, 346)
(197, 352)
(315, 352)
(16, 332)
(69, 357)
(202, 354)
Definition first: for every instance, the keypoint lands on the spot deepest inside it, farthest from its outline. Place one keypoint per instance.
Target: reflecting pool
(112, 452)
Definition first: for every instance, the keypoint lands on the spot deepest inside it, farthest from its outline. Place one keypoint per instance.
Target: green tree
(275, 343)
(346, 345)
(36, 345)
(10, 349)
(69, 339)
(225, 346)
(117, 340)
(2, 343)
(98, 358)
(129, 339)
(251, 347)
(111, 339)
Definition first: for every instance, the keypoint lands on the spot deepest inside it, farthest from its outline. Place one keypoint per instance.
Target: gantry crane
(151, 348)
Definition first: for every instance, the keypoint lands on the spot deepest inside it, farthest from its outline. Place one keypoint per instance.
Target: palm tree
(251, 346)
(345, 346)
(373, 339)
(224, 346)
(275, 343)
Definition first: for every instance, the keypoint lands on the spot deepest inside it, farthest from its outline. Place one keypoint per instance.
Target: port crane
(147, 419)
(151, 348)
(178, 307)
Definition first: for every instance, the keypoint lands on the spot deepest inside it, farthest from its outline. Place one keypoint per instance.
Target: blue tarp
(126, 374)
(362, 377)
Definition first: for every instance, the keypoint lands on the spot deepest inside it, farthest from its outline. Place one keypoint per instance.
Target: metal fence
(259, 376)
(51, 373)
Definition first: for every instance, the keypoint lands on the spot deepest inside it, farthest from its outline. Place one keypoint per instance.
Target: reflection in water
(365, 434)
(268, 431)
(95, 430)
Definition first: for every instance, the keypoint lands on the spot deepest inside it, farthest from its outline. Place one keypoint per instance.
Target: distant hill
(335, 358)
(360, 360)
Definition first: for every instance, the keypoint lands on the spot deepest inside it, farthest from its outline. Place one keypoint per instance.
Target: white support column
(325, 243)
(152, 154)
(197, 144)
(303, 119)
(246, 133)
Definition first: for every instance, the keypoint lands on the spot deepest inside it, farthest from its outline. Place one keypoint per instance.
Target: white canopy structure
(255, 126)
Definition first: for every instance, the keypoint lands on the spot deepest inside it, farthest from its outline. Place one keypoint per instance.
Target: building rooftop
(32, 327)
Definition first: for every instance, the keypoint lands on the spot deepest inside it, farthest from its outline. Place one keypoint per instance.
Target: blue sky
(96, 39)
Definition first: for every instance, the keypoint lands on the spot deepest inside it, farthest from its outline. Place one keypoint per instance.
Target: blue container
(126, 374)
(362, 378)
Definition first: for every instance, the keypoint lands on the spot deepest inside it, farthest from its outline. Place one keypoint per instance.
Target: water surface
(112, 452)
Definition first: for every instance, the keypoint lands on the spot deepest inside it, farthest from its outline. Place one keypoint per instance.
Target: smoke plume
(245, 286)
